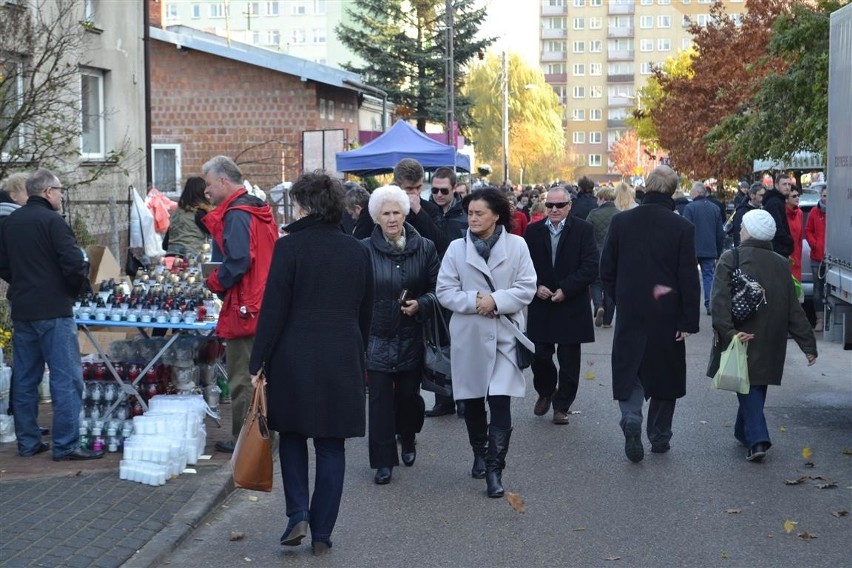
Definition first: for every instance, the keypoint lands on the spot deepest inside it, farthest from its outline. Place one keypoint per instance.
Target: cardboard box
(102, 265)
(103, 337)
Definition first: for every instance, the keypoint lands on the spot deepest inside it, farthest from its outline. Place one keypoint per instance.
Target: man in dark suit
(648, 265)
(563, 251)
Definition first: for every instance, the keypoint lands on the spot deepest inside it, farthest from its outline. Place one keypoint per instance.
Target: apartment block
(301, 28)
(597, 54)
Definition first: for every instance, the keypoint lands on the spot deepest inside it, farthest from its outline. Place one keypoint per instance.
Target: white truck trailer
(838, 241)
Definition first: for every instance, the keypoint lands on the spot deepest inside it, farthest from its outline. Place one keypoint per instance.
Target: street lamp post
(504, 79)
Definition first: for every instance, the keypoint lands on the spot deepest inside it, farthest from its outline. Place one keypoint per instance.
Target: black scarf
(657, 198)
(483, 247)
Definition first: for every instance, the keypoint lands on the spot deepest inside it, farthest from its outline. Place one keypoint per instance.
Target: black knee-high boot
(495, 460)
(477, 433)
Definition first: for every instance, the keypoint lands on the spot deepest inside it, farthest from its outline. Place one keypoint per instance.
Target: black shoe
(44, 431)
(321, 547)
(40, 449)
(494, 484)
(409, 452)
(478, 469)
(383, 475)
(633, 442)
(757, 452)
(441, 410)
(227, 446)
(293, 535)
(80, 454)
(660, 448)
(708, 311)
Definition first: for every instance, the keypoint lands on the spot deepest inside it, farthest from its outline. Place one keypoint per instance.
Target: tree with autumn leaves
(750, 90)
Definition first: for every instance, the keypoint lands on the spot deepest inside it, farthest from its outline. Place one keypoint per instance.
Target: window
(594, 159)
(664, 21)
(577, 3)
(297, 36)
(273, 8)
(705, 1)
(664, 45)
(664, 2)
(253, 9)
(702, 19)
(555, 46)
(579, 23)
(595, 2)
(322, 107)
(595, 68)
(92, 114)
(646, 45)
(171, 11)
(646, 68)
(579, 92)
(619, 68)
(578, 114)
(13, 87)
(558, 3)
(560, 93)
(647, 2)
(331, 110)
(595, 92)
(579, 70)
(165, 167)
(89, 10)
(646, 22)
(298, 8)
(685, 21)
(595, 114)
(686, 1)
(318, 36)
(217, 10)
(273, 37)
(737, 19)
(595, 23)
(196, 11)
(686, 43)
(319, 6)
(595, 46)
(555, 23)
(595, 137)
(554, 69)
(579, 46)
(579, 137)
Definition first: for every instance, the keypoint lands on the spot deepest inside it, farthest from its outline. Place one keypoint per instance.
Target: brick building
(275, 114)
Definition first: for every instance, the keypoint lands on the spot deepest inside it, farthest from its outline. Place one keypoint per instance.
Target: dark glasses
(443, 190)
(558, 205)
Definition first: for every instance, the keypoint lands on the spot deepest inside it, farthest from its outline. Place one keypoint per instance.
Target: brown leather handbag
(252, 457)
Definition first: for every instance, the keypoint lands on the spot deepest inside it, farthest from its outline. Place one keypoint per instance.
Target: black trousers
(501, 414)
(395, 408)
(562, 386)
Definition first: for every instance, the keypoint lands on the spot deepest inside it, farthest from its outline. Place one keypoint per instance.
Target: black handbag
(437, 371)
(746, 293)
(523, 356)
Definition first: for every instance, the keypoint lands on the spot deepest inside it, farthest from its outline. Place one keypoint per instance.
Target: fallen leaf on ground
(847, 452)
(702, 422)
(839, 514)
(806, 536)
(783, 429)
(733, 511)
(809, 464)
(613, 558)
(590, 376)
(579, 529)
(252, 498)
(797, 481)
(806, 452)
(724, 555)
(827, 485)
(789, 525)
(247, 559)
(236, 535)
(516, 501)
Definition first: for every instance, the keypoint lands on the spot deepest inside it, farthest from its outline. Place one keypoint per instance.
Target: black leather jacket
(396, 340)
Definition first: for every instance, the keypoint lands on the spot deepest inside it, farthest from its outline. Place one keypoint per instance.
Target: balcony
(620, 101)
(621, 9)
(617, 33)
(620, 55)
(616, 123)
(548, 10)
(556, 78)
(625, 78)
(548, 56)
(554, 33)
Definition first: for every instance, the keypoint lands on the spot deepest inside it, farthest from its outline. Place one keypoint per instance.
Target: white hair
(387, 193)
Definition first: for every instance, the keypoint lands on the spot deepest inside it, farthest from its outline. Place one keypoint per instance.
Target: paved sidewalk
(81, 514)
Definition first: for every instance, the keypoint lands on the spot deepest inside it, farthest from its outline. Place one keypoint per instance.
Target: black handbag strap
(736, 259)
(438, 321)
(491, 285)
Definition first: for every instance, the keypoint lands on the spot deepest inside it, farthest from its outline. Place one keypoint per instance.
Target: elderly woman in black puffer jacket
(405, 268)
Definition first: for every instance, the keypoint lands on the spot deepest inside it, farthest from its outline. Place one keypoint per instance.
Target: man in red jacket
(815, 234)
(244, 231)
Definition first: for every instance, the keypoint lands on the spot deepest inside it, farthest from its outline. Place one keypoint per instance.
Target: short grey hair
(223, 166)
(356, 196)
(40, 180)
(568, 197)
(662, 179)
(382, 195)
(699, 188)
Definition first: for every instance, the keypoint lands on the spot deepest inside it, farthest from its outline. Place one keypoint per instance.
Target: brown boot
(818, 325)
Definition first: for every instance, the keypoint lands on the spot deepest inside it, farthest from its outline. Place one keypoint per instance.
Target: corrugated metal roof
(798, 161)
(184, 37)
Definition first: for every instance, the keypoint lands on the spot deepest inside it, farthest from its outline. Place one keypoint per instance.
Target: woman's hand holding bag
(732, 374)
(252, 458)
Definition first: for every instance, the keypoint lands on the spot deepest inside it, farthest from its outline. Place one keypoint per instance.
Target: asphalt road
(701, 504)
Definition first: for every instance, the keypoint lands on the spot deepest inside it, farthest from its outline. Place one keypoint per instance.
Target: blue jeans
(51, 341)
(320, 509)
(708, 266)
(600, 299)
(750, 428)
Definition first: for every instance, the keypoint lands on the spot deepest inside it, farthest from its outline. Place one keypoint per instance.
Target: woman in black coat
(318, 301)
(405, 268)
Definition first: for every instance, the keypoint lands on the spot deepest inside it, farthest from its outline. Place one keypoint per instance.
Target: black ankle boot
(495, 460)
(477, 434)
(409, 451)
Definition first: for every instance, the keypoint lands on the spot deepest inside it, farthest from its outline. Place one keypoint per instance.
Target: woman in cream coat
(481, 332)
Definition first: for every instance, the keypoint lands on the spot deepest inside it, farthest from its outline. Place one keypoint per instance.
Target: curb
(205, 499)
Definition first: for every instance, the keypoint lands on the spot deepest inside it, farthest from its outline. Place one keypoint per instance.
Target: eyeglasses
(558, 205)
(443, 190)
(60, 189)
(794, 196)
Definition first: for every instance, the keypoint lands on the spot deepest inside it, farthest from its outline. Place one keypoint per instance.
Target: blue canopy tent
(401, 141)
